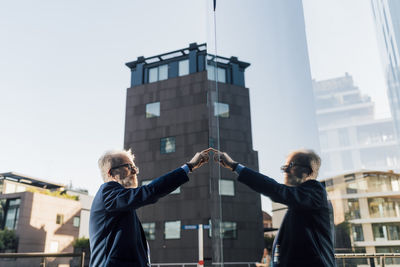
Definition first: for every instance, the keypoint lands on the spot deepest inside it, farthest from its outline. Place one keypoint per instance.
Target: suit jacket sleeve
(309, 195)
(118, 198)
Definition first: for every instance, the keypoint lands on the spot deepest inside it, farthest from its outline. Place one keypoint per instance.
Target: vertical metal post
(44, 262)
(383, 261)
(83, 259)
(201, 256)
(344, 262)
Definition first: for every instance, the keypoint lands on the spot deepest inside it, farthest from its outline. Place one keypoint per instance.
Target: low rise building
(46, 217)
(367, 211)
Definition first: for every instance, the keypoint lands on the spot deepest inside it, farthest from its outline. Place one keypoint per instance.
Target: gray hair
(309, 157)
(112, 158)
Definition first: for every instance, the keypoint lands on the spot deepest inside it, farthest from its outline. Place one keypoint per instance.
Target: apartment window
(167, 145)
(11, 212)
(389, 261)
(228, 230)
(77, 221)
(176, 191)
(153, 110)
(221, 110)
(184, 67)
(385, 232)
(172, 230)
(353, 208)
(149, 230)
(158, 73)
(59, 219)
(358, 234)
(226, 187)
(384, 207)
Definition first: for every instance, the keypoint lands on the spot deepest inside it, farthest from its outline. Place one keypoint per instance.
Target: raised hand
(224, 159)
(199, 159)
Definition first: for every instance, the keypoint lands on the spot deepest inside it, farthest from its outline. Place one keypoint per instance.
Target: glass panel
(162, 72)
(167, 145)
(153, 75)
(221, 75)
(149, 230)
(226, 187)
(183, 67)
(172, 230)
(153, 110)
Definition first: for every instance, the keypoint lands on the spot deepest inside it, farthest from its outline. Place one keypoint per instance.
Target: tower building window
(184, 67)
(158, 73)
(226, 187)
(221, 110)
(172, 230)
(167, 145)
(149, 230)
(153, 110)
(216, 73)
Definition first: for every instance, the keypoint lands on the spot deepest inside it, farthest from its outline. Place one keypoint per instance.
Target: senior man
(305, 237)
(116, 234)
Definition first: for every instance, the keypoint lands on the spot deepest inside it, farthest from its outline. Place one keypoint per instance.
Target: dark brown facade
(187, 115)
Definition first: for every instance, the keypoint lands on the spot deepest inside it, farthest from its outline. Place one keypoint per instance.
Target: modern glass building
(180, 103)
(350, 136)
(387, 19)
(367, 211)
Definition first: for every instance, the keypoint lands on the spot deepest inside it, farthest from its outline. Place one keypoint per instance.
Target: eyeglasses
(132, 168)
(286, 168)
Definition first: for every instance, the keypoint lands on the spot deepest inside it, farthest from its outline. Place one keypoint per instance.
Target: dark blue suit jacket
(306, 234)
(116, 234)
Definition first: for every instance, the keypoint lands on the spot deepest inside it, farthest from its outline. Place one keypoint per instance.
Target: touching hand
(199, 159)
(224, 160)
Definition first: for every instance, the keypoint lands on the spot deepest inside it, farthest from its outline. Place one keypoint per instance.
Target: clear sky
(63, 77)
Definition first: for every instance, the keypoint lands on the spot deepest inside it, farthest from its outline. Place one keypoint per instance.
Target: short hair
(112, 158)
(308, 158)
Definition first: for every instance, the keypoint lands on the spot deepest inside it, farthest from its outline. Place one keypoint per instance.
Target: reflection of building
(171, 113)
(387, 19)
(350, 137)
(46, 217)
(367, 211)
